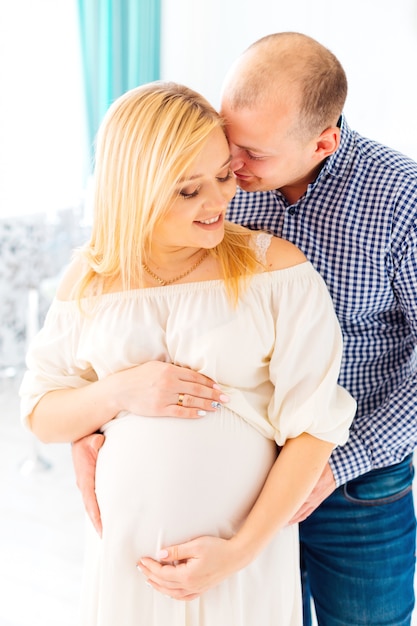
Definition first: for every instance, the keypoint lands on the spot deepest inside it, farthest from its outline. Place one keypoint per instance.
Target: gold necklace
(163, 282)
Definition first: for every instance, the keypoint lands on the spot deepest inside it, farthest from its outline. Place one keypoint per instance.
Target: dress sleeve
(305, 364)
(52, 360)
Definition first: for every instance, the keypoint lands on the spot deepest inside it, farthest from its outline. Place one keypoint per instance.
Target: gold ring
(180, 399)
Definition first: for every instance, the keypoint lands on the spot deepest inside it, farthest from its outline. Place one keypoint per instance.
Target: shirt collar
(337, 164)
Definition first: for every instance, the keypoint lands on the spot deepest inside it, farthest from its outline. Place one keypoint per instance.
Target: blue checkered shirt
(357, 224)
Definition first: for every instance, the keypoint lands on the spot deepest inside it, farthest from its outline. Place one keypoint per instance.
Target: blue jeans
(358, 552)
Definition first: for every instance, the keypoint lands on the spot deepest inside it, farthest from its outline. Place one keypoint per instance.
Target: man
(350, 204)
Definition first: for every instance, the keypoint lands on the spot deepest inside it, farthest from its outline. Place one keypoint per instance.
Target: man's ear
(328, 142)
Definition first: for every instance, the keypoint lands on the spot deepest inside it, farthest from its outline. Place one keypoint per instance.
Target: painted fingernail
(216, 405)
(162, 554)
(201, 413)
(216, 386)
(224, 398)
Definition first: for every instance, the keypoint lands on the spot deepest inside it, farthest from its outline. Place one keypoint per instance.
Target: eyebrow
(227, 162)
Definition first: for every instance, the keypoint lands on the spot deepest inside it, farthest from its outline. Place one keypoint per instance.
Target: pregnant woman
(165, 278)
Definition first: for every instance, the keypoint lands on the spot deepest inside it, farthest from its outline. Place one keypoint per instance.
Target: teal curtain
(120, 45)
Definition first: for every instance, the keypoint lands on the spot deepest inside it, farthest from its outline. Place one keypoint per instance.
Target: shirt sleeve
(304, 367)
(388, 434)
(52, 361)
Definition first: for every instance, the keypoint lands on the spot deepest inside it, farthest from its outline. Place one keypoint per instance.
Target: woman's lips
(210, 223)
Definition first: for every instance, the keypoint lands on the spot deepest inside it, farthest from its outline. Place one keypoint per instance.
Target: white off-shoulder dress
(163, 480)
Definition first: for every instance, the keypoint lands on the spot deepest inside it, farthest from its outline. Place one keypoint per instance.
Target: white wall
(42, 119)
(376, 41)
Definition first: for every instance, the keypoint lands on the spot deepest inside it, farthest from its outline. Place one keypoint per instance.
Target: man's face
(267, 151)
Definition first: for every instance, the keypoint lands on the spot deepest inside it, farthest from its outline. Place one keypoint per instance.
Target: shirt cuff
(350, 460)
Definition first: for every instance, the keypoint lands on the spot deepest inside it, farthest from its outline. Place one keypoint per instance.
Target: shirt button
(292, 210)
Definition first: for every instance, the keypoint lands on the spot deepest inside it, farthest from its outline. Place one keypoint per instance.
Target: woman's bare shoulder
(282, 254)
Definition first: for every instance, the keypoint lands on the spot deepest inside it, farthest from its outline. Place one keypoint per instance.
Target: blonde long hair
(147, 141)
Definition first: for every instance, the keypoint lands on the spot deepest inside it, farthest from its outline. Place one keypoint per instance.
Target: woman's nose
(217, 200)
(220, 195)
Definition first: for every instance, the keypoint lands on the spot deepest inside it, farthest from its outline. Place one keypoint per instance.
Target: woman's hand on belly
(158, 389)
(186, 571)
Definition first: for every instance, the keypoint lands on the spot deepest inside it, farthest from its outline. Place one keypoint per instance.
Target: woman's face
(196, 217)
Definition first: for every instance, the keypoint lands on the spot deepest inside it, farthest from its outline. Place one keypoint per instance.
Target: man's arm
(324, 487)
(388, 434)
(84, 458)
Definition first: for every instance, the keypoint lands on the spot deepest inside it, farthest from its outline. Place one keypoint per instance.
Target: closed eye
(190, 194)
(254, 158)
(224, 179)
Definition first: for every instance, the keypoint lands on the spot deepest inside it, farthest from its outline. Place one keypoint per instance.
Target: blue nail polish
(216, 405)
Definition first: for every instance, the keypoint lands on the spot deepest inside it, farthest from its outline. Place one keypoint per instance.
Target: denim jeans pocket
(382, 486)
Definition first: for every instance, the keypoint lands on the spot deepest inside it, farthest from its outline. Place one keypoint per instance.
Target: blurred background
(62, 63)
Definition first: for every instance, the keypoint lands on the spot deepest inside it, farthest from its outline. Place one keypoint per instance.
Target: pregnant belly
(163, 480)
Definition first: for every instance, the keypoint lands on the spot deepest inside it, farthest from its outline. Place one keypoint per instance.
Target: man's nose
(237, 161)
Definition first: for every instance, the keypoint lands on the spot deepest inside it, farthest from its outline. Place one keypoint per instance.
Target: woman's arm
(189, 569)
(64, 415)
